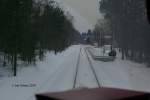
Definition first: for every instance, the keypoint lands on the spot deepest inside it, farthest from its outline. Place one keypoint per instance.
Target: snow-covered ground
(57, 73)
(32, 79)
(122, 73)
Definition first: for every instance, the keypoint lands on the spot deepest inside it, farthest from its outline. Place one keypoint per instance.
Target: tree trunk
(15, 64)
(132, 54)
(4, 62)
(126, 53)
(123, 54)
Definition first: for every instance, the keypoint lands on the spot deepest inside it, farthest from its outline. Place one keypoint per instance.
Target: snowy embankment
(30, 79)
(99, 54)
(122, 73)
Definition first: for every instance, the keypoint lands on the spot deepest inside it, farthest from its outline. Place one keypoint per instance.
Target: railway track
(78, 66)
(92, 68)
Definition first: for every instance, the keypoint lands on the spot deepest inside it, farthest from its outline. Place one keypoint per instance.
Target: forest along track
(79, 75)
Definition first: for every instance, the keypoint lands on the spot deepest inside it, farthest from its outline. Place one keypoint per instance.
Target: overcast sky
(85, 12)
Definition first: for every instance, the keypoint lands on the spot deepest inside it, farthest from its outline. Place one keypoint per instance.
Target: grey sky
(85, 12)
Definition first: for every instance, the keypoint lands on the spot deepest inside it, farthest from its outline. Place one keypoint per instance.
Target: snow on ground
(96, 51)
(122, 73)
(57, 73)
(31, 78)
